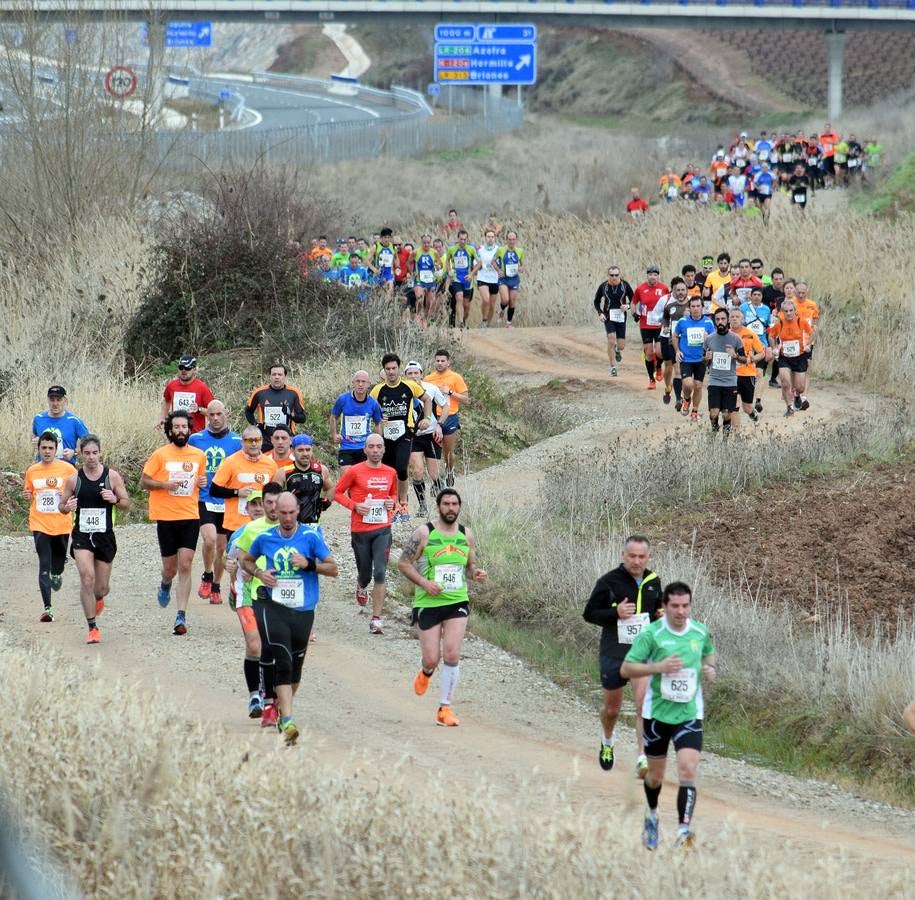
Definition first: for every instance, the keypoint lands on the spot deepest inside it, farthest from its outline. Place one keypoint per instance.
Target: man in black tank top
(93, 492)
(307, 480)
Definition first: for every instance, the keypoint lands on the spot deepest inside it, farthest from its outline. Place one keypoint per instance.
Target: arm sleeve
(598, 610)
(598, 296)
(220, 491)
(250, 406)
(298, 408)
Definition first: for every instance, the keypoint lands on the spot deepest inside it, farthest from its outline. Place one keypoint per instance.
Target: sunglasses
(251, 440)
(185, 368)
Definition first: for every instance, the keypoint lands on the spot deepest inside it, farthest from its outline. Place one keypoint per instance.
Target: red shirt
(638, 205)
(195, 392)
(362, 482)
(645, 298)
(404, 265)
(742, 286)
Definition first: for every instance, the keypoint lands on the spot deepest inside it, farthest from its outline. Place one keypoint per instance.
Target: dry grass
(134, 827)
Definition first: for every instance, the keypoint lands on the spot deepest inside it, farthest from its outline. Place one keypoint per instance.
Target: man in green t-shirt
(439, 560)
(678, 654)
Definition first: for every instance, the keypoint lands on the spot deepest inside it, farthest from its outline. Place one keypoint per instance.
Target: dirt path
(523, 739)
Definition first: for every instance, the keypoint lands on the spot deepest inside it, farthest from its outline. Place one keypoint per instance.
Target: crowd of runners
(254, 499)
(723, 325)
(432, 278)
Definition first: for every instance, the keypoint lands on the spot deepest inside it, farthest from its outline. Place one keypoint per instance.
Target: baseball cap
(413, 364)
(56, 390)
(654, 267)
(256, 494)
(708, 260)
(187, 362)
(720, 154)
(302, 440)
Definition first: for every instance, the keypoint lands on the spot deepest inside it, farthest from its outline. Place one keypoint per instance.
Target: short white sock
(449, 680)
(608, 741)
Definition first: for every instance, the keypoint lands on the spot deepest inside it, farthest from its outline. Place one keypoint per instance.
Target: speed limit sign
(120, 82)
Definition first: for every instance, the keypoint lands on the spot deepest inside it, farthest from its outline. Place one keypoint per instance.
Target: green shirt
(444, 561)
(244, 542)
(675, 698)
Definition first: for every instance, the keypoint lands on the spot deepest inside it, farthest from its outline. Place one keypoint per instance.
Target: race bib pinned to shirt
(290, 592)
(627, 630)
(273, 416)
(46, 501)
(679, 687)
(791, 348)
(511, 270)
(695, 337)
(721, 362)
(184, 401)
(377, 514)
(395, 430)
(355, 426)
(92, 521)
(616, 315)
(450, 577)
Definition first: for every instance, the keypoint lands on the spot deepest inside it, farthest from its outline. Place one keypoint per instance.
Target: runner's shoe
(289, 731)
(362, 595)
(56, 581)
(270, 716)
(694, 416)
(641, 767)
(658, 374)
(180, 624)
(667, 398)
(404, 511)
(215, 596)
(685, 839)
(47, 615)
(99, 605)
(685, 410)
(613, 371)
(797, 401)
(449, 478)
(678, 406)
(618, 355)
(652, 385)
(205, 589)
(605, 757)
(774, 384)
(509, 324)
(164, 596)
(421, 683)
(376, 626)
(789, 411)
(445, 716)
(650, 830)
(758, 406)
(805, 403)
(255, 708)
(94, 636)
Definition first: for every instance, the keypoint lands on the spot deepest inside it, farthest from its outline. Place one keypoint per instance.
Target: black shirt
(609, 296)
(611, 590)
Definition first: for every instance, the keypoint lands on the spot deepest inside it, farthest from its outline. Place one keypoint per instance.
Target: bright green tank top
(444, 561)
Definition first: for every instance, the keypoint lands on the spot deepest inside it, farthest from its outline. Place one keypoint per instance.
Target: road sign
(71, 36)
(433, 90)
(500, 33)
(448, 31)
(120, 82)
(225, 94)
(474, 63)
(183, 35)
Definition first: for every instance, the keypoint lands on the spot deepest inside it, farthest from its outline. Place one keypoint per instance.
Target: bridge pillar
(835, 52)
(155, 71)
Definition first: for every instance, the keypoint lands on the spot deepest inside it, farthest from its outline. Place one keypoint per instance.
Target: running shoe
(94, 636)
(422, 510)
(205, 589)
(180, 624)
(449, 478)
(485, 324)
(99, 605)
(797, 401)
(56, 581)
(694, 416)
(289, 731)
(618, 355)
(445, 716)
(685, 839)
(789, 411)
(652, 385)
(667, 398)
(215, 596)
(658, 375)
(641, 767)
(678, 406)
(421, 683)
(47, 615)
(605, 757)
(773, 384)
(613, 371)
(805, 403)
(650, 831)
(404, 512)
(685, 410)
(270, 716)
(164, 596)
(758, 406)
(376, 626)
(509, 324)
(362, 595)
(255, 708)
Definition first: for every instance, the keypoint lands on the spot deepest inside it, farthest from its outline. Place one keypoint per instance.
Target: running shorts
(650, 335)
(794, 363)
(180, 534)
(667, 350)
(427, 617)
(103, 545)
(427, 445)
(209, 517)
(693, 370)
(350, 457)
(746, 388)
(491, 286)
(247, 619)
(723, 398)
(658, 735)
(610, 677)
(617, 328)
(451, 424)
(397, 455)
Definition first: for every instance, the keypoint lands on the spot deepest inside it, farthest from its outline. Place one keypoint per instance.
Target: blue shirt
(764, 182)
(353, 277)
(68, 428)
(215, 449)
(296, 588)
(357, 419)
(691, 337)
(757, 319)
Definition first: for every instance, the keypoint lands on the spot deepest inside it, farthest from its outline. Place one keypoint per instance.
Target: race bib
(800, 198)
(672, 192)
(616, 315)
(854, 163)
(386, 257)
(695, 337)
(377, 514)
(764, 189)
(763, 155)
(355, 426)
(92, 521)
(46, 501)
(450, 577)
(721, 362)
(791, 348)
(757, 326)
(215, 506)
(679, 687)
(627, 630)
(426, 276)
(182, 484)
(395, 430)
(511, 270)
(290, 592)
(787, 157)
(273, 416)
(183, 401)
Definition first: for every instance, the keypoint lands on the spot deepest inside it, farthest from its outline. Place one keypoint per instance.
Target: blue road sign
(225, 94)
(433, 90)
(184, 35)
(473, 63)
(448, 31)
(501, 33)
(71, 36)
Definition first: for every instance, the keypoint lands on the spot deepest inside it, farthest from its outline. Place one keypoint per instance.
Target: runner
(395, 397)
(718, 278)
(444, 550)
(241, 474)
(488, 277)
(676, 306)
(612, 301)
(509, 263)
(790, 337)
(678, 655)
(757, 316)
(424, 288)
(800, 187)
(42, 486)
(636, 207)
(753, 353)
(281, 454)
(276, 403)
(295, 555)
(174, 475)
(369, 491)
(426, 450)
(647, 311)
(308, 481)
(623, 602)
(688, 337)
(739, 288)
(463, 265)
(808, 310)
(723, 351)
(217, 442)
(186, 393)
(353, 416)
(64, 425)
(453, 386)
(93, 492)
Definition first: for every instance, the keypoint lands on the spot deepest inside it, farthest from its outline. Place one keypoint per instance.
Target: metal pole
(835, 52)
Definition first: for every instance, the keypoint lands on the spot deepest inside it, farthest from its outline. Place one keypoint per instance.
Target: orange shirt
(46, 482)
(445, 381)
(181, 466)
(807, 310)
(794, 336)
(287, 465)
(751, 344)
(238, 471)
